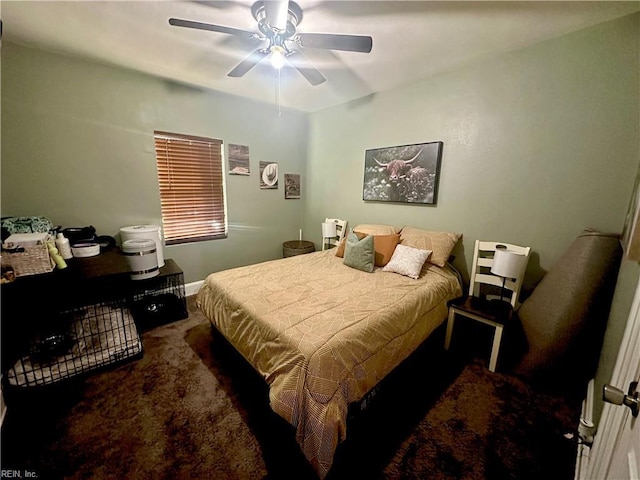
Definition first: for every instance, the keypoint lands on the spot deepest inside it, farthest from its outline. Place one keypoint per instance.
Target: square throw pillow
(407, 261)
(440, 243)
(359, 253)
(341, 246)
(384, 246)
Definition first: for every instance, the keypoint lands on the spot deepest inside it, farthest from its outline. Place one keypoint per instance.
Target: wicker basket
(295, 247)
(33, 260)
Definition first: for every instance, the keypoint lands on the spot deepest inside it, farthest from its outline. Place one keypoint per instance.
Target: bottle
(55, 256)
(63, 246)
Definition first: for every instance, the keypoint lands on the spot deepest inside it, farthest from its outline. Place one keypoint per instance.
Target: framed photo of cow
(403, 174)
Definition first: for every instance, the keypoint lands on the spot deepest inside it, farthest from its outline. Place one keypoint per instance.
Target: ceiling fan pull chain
(278, 92)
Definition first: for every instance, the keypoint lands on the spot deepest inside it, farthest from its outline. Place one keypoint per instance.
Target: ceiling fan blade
(248, 63)
(176, 22)
(330, 41)
(308, 71)
(276, 12)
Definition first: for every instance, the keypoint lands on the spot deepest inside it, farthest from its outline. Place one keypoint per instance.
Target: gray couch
(563, 321)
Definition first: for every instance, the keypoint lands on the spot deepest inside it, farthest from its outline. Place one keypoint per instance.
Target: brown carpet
(192, 408)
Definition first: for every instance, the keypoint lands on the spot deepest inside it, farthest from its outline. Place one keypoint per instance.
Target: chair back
(481, 275)
(341, 231)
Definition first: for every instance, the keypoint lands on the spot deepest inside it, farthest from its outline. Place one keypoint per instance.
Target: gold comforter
(323, 334)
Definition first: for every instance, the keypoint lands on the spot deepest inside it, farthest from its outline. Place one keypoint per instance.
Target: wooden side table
(297, 247)
(493, 313)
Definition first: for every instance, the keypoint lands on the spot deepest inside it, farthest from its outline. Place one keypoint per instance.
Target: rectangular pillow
(407, 261)
(376, 229)
(440, 243)
(359, 253)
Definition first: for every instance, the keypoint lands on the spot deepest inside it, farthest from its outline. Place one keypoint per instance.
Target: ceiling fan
(277, 22)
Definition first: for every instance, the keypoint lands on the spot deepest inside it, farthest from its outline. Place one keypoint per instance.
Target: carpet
(490, 426)
(191, 407)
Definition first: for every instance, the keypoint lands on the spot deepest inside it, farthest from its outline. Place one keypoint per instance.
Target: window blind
(191, 179)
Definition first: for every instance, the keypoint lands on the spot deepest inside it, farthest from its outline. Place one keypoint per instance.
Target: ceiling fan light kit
(277, 25)
(277, 57)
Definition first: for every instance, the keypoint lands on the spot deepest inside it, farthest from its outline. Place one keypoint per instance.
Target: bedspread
(322, 334)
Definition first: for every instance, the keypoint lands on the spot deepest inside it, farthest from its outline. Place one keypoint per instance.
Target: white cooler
(145, 231)
(141, 257)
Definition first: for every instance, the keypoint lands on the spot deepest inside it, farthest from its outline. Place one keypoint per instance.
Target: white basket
(28, 258)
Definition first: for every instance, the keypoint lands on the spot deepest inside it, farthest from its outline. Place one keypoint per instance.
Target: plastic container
(141, 257)
(83, 250)
(64, 247)
(145, 231)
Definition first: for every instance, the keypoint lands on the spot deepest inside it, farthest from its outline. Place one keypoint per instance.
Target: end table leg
(447, 338)
(495, 350)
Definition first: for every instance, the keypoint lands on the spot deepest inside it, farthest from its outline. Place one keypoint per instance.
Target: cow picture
(404, 174)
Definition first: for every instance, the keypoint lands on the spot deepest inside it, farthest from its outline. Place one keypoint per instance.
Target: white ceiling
(411, 39)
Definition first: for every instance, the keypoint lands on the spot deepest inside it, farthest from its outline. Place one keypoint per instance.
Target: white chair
(481, 304)
(341, 231)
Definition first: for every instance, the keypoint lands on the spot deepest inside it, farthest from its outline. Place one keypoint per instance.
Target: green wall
(77, 147)
(620, 309)
(538, 145)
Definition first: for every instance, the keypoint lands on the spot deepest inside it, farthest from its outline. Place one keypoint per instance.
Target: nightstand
(297, 247)
(496, 267)
(490, 312)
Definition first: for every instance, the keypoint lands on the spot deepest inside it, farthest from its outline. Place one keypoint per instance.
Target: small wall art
(239, 160)
(268, 175)
(403, 174)
(291, 185)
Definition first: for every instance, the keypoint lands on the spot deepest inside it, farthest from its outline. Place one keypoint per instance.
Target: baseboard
(582, 462)
(3, 408)
(192, 288)
(587, 428)
(586, 431)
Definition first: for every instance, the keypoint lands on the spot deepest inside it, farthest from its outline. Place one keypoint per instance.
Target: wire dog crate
(79, 341)
(161, 299)
(85, 317)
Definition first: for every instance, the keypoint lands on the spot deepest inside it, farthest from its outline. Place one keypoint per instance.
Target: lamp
(328, 231)
(507, 264)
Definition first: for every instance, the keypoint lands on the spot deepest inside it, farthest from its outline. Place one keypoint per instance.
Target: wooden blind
(191, 178)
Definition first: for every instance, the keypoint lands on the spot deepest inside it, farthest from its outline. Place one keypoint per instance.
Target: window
(192, 196)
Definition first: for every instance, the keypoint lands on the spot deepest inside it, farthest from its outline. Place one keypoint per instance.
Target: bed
(323, 334)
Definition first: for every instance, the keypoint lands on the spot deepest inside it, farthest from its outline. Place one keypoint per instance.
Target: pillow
(384, 245)
(407, 261)
(341, 247)
(359, 253)
(440, 243)
(375, 229)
